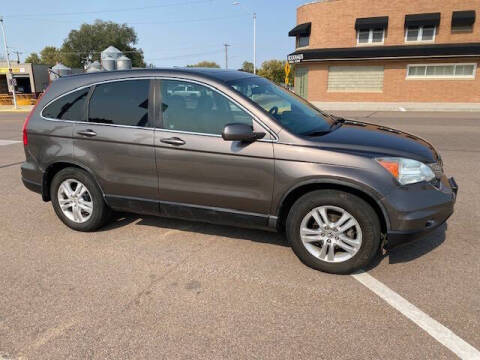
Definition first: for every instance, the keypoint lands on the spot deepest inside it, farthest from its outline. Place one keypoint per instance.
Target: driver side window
(195, 108)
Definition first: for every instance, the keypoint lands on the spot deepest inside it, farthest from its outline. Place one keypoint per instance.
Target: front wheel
(333, 231)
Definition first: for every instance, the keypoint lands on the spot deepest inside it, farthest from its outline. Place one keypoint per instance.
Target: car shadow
(413, 250)
(401, 254)
(123, 219)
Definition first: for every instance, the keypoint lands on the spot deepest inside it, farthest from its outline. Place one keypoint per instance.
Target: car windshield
(289, 110)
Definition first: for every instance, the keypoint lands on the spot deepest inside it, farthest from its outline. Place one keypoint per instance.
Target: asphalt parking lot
(149, 288)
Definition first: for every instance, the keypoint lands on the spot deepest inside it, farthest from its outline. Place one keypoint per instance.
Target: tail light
(25, 124)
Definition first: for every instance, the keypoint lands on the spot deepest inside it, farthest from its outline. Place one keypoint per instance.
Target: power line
(190, 2)
(186, 55)
(157, 22)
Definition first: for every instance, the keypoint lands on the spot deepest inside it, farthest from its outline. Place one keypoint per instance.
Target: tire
(363, 237)
(97, 213)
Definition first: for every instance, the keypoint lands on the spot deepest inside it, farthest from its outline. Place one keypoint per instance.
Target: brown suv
(232, 148)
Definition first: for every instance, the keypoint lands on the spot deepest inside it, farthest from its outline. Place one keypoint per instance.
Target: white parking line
(439, 332)
(8, 142)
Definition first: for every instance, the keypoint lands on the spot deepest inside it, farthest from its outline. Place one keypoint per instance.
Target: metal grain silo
(94, 67)
(112, 52)
(124, 63)
(61, 70)
(108, 62)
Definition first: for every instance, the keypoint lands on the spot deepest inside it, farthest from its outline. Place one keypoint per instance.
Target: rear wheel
(333, 231)
(78, 201)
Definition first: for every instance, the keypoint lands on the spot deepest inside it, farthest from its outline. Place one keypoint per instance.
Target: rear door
(116, 143)
(197, 169)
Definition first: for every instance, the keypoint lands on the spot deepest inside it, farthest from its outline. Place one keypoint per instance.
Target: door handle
(88, 132)
(173, 141)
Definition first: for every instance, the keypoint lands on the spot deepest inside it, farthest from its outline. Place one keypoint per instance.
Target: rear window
(120, 103)
(68, 107)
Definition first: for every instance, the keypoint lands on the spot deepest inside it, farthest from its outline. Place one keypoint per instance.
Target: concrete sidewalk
(20, 108)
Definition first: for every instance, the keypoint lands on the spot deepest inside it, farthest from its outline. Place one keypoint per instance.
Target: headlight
(407, 171)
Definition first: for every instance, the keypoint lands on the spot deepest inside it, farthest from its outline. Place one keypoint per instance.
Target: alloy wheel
(75, 200)
(331, 234)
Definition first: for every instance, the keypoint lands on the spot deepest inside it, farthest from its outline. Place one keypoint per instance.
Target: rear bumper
(419, 210)
(32, 186)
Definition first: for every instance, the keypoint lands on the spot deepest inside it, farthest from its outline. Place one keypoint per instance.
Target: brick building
(388, 54)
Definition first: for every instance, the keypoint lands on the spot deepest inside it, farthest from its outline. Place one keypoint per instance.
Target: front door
(200, 173)
(301, 81)
(116, 144)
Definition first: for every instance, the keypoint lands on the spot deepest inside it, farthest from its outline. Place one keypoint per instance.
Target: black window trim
(156, 113)
(196, 82)
(151, 119)
(61, 96)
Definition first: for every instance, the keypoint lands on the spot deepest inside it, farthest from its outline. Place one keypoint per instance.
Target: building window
(370, 36)
(462, 28)
(420, 33)
(462, 21)
(441, 71)
(355, 78)
(303, 41)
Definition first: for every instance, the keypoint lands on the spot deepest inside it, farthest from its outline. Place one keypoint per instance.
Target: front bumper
(417, 210)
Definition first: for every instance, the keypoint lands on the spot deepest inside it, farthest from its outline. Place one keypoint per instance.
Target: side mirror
(240, 132)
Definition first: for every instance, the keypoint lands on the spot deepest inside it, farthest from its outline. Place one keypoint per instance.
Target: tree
(85, 44)
(33, 58)
(247, 67)
(50, 55)
(274, 70)
(205, 64)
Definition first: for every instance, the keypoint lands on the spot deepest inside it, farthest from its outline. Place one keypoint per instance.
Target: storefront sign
(4, 70)
(295, 58)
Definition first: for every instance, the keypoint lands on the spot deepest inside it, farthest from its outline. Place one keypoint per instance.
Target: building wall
(396, 88)
(333, 21)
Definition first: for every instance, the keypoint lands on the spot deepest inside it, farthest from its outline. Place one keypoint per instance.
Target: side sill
(205, 214)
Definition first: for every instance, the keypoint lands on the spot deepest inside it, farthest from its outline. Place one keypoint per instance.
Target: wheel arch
(359, 190)
(52, 169)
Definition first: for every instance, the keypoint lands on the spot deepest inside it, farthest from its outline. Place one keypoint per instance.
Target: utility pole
(8, 63)
(18, 56)
(226, 55)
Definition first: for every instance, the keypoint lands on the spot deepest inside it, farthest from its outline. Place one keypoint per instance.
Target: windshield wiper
(337, 120)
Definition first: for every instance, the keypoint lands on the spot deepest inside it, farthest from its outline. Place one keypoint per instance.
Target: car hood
(376, 140)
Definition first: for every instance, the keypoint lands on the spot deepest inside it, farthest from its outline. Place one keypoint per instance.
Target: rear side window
(120, 103)
(68, 107)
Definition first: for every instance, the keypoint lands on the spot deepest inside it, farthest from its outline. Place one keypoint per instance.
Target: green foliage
(247, 67)
(50, 55)
(33, 58)
(205, 64)
(85, 44)
(274, 70)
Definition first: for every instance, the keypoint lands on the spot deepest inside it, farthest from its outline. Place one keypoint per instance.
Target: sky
(170, 32)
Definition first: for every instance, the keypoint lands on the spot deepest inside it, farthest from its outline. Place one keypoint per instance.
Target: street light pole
(8, 63)
(254, 37)
(254, 43)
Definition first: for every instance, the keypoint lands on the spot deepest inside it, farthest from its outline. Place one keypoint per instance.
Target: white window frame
(370, 38)
(442, 77)
(420, 34)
